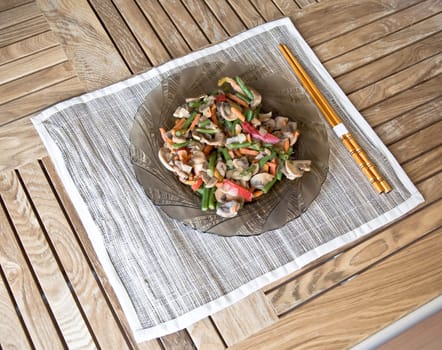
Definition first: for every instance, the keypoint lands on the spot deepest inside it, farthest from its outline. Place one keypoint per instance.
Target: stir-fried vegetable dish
(228, 150)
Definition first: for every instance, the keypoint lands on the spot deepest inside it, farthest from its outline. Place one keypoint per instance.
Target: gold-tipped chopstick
(358, 154)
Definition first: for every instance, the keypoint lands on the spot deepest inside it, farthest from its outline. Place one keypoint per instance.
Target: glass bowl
(286, 201)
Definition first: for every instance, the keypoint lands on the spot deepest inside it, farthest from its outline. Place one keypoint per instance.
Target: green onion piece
(236, 145)
(244, 88)
(189, 120)
(266, 159)
(179, 145)
(249, 115)
(207, 131)
(225, 154)
(212, 199)
(269, 185)
(204, 123)
(205, 199)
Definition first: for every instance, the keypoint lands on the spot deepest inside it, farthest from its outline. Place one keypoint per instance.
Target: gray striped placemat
(168, 276)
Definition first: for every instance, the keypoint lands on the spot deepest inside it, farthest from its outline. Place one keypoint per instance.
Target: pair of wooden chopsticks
(358, 154)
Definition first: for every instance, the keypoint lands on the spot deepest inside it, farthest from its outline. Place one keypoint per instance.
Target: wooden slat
(410, 122)
(390, 64)
(24, 289)
(397, 83)
(9, 4)
(18, 14)
(244, 318)
(31, 64)
(26, 47)
(353, 261)
(143, 31)
(42, 98)
(377, 29)
(19, 143)
(391, 289)
(267, 9)
(121, 35)
(384, 46)
(36, 81)
(69, 319)
(305, 3)
(335, 19)
(164, 27)
(205, 336)
(178, 340)
(185, 23)
(23, 30)
(12, 334)
(414, 145)
(72, 259)
(427, 165)
(85, 42)
(206, 19)
(287, 6)
(87, 246)
(226, 16)
(403, 102)
(247, 13)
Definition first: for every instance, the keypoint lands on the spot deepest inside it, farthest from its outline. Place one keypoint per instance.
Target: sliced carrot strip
(164, 136)
(195, 122)
(207, 149)
(213, 115)
(257, 193)
(272, 168)
(179, 124)
(237, 100)
(248, 152)
(286, 145)
(265, 168)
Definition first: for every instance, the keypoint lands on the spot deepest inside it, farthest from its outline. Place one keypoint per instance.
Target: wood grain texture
(40, 99)
(247, 13)
(142, 31)
(424, 335)
(205, 336)
(12, 334)
(418, 143)
(382, 47)
(397, 82)
(178, 340)
(38, 322)
(18, 14)
(353, 261)
(286, 6)
(23, 30)
(267, 9)
(425, 166)
(19, 143)
(72, 259)
(90, 252)
(30, 64)
(186, 25)
(335, 14)
(244, 318)
(305, 3)
(9, 4)
(164, 28)
(377, 29)
(390, 64)
(121, 35)
(226, 16)
(85, 42)
(36, 81)
(387, 296)
(403, 102)
(26, 47)
(206, 20)
(410, 122)
(69, 319)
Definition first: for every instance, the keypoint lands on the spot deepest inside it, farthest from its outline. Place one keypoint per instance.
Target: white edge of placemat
(224, 301)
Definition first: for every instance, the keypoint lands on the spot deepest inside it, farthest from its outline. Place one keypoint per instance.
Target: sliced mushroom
(216, 139)
(221, 167)
(209, 181)
(240, 138)
(263, 153)
(166, 158)
(181, 112)
(228, 209)
(295, 168)
(281, 122)
(228, 112)
(242, 163)
(261, 180)
(257, 99)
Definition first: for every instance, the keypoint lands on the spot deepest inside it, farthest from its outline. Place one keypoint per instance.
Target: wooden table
(386, 56)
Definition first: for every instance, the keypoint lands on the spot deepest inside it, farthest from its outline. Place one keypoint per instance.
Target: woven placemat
(168, 276)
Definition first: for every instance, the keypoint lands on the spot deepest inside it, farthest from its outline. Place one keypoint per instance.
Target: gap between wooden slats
(23, 30)
(376, 30)
(267, 9)
(39, 251)
(89, 253)
(226, 16)
(71, 259)
(23, 283)
(12, 333)
(247, 13)
(19, 14)
(9, 4)
(388, 296)
(286, 6)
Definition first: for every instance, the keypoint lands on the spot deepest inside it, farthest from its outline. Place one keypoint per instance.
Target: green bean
(179, 145)
(266, 159)
(269, 185)
(189, 120)
(204, 123)
(207, 131)
(236, 145)
(212, 199)
(279, 175)
(242, 97)
(205, 199)
(211, 165)
(244, 88)
(225, 154)
(194, 104)
(248, 114)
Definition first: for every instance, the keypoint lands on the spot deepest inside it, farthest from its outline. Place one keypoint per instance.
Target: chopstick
(356, 151)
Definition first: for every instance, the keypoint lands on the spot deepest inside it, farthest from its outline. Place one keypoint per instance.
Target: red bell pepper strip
(197, 184)
(267, 138)
(220, 98)
(242, 192)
